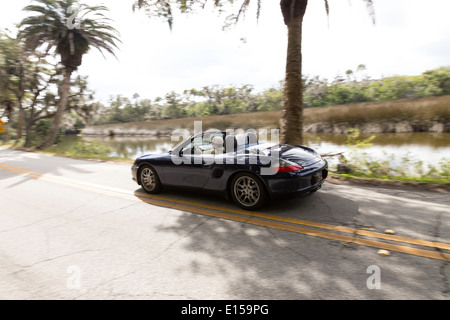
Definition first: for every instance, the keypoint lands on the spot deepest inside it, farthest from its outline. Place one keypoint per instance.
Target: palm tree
(51, 26)
(293, 12)
(292, 118)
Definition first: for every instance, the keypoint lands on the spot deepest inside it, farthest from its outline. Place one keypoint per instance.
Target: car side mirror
(177, 152)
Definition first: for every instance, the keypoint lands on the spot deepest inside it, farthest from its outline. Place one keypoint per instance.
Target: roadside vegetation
(76, 147)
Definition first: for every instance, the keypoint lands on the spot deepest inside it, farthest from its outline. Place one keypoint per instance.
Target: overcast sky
(408, 38)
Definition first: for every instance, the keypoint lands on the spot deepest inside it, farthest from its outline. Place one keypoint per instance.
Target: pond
(430, 148)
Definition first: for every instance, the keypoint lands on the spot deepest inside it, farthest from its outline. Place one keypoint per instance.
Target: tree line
(351, 87)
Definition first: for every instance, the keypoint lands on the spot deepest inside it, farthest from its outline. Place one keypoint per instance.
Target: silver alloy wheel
(148, 179)
(246, 191)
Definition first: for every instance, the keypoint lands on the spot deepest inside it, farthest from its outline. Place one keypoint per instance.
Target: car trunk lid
(301, 155)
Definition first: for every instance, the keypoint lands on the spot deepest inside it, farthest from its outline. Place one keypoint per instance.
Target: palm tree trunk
(292, 115)
(7, 125)
(28, 127)
(20, 121)
(64, 98)
(27, 135)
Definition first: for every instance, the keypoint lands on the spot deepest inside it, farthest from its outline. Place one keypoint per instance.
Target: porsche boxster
(237, 167)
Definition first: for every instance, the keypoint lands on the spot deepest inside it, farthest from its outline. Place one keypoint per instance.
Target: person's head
(217, 142)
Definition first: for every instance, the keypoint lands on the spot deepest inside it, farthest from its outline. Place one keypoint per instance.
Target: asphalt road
(72, 229)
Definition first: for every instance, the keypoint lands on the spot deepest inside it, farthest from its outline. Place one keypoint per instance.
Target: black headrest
(230, 143)
(251, 138)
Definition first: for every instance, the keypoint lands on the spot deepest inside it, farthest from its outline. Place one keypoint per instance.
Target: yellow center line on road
(20, 171)
(255, 218)
(312, 232)
(343, 229)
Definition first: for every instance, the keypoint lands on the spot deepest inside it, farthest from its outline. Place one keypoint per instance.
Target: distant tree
(174, 106)
(30, 82)
(270, 100)
(437, 81)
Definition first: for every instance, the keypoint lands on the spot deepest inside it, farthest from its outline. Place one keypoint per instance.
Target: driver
(218, 148)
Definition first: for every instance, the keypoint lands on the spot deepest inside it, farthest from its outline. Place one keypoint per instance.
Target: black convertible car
(235, 166)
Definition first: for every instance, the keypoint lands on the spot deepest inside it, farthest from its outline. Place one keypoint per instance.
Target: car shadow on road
(261, 262)
(328, 208)
(265, 263)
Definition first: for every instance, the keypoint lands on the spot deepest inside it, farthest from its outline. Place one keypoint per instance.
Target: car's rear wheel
(248, 192)
(149, 179)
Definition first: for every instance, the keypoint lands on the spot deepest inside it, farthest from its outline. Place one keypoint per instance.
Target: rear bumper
(299, 193)
(298, 184)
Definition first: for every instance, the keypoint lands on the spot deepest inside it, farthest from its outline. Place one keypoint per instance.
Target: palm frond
(369, 4)
(48, 24)
(371, 9)
(243, 9)
(327, 7)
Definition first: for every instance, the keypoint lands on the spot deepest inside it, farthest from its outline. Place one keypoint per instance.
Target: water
(419, 146)
(430, 148)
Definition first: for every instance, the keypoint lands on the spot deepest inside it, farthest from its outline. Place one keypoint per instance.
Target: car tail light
(286, 166)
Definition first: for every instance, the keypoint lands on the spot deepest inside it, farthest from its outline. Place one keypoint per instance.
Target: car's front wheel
(248, 192)
(149, 179)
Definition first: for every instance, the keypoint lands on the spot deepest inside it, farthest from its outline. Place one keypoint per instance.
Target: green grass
(78, 148)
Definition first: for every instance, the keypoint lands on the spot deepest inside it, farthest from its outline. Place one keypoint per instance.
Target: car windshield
(178, 146)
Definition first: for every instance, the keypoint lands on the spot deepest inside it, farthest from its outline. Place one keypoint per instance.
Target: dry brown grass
(424, 109)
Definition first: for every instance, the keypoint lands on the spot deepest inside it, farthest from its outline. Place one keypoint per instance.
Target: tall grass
(79, 148)
(410, 110)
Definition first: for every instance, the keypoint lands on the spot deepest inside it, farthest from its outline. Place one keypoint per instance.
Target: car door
(189, 168)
